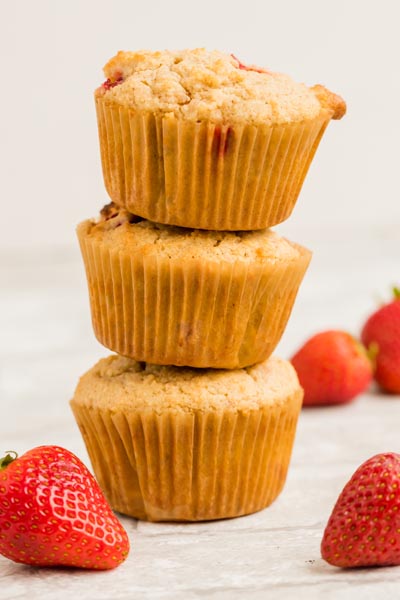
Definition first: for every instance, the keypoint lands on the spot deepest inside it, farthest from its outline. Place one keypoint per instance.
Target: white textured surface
(46, 343)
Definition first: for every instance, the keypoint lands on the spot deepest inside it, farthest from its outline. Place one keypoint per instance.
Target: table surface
(47, 343)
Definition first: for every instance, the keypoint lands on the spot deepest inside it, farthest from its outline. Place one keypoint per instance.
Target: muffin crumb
(116, 382)
(119, 229)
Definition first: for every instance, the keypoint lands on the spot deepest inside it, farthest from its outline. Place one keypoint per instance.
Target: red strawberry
(52, 512)
(108, 84)
(364, 527)
(250, 67)
(382, 331)
(221, 141)
(333, 368)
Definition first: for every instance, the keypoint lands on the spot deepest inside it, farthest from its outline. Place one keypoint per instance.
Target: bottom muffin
(181, 444)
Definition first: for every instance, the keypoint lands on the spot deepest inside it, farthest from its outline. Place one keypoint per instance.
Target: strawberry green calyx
(360, 346)
(7, 459)
(396, 293)
(372, 353)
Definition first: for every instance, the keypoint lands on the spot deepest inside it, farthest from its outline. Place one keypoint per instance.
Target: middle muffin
(174, 296)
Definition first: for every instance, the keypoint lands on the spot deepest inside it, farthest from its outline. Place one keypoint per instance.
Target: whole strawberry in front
(52, 512)
(364, 527)
(333, 368)
(382, 332)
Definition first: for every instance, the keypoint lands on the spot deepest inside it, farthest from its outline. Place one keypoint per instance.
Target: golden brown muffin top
(122, 231)
(118, 384)
(201, 85)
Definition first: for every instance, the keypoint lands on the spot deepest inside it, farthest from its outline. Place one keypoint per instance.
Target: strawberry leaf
(7, 459)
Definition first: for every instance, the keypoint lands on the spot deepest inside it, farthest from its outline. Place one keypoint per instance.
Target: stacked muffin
(192, 419)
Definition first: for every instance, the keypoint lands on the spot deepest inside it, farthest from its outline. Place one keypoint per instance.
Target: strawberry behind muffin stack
(192, 419)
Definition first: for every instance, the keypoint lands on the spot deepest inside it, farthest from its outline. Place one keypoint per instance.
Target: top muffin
(200, 85)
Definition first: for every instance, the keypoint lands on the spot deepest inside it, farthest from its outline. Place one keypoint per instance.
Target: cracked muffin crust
(188, 444)
(120, 230)
(200, 85)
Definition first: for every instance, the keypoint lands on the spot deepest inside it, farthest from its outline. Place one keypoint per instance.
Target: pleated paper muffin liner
(203, 175)
(190, 466)
(195, 312)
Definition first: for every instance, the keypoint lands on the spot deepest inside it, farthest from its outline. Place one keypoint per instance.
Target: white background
(52, 53)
